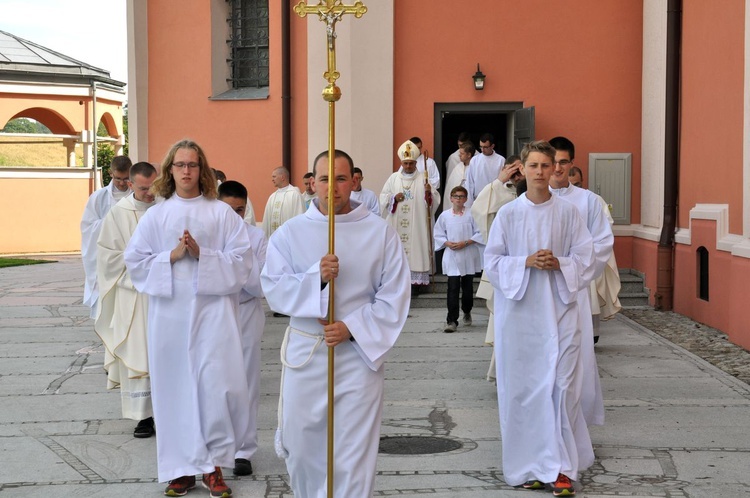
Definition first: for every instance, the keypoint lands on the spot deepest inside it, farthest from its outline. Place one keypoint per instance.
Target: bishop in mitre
(408, 204)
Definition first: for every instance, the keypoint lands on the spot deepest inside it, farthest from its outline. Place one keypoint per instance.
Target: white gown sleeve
(223, 272)
(376, 326)
(288, 292)
(440, 232)
(576, 269)
(150, 271)
(507, 274)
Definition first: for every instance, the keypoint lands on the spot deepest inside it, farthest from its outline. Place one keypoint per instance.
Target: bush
(105, 154)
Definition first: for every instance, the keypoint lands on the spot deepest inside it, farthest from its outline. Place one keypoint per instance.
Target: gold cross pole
(330, 12)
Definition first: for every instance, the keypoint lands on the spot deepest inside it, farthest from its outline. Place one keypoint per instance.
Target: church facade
(244, 79)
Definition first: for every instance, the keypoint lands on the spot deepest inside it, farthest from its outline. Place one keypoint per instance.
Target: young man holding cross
(371, 298)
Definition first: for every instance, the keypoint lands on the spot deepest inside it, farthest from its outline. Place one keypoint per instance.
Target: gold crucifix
(330, 12)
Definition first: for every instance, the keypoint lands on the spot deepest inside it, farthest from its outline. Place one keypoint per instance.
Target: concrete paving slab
(37, 349)
(24, 384)
(676, 426)
(39, 459)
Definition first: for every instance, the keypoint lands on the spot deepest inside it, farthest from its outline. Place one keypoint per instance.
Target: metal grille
(248, 43)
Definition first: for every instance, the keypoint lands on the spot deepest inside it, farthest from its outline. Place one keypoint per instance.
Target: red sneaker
(562, 486)
(215, 484)
(180, 486)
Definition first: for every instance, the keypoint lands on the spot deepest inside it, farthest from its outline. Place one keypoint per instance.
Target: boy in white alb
(251, 320)
(456, 231)
(539, 257)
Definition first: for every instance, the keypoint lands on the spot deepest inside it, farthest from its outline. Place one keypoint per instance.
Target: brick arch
(110, 124)
(56, 122)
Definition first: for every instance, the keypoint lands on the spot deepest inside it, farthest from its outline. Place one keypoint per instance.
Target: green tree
(24, 125)
(105, 152)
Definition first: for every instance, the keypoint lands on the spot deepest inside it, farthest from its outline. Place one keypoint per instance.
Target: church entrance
(510, 123)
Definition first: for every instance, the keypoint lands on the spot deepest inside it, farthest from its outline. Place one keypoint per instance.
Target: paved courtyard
(676, 426)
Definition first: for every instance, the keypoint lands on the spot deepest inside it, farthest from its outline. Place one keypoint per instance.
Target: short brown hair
(164, 185)
(469, 148)
(121, 164)
(459, 189)
(537, 146)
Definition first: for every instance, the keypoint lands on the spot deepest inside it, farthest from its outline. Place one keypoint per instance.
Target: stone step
(632, 292)
(634, 300)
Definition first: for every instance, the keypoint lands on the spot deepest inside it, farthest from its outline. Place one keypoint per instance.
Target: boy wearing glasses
(595, 213)
(456, 231)
(189, 255)
(97, 207)
(538, 258)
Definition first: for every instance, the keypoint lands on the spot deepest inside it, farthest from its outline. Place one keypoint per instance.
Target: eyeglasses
(458, 197)
(185, 165)
(564, 162)
(120, 180)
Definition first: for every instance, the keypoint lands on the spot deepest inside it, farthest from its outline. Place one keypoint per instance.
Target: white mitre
(408, 151)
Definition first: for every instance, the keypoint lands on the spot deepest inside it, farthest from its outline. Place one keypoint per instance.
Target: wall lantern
(479, 79)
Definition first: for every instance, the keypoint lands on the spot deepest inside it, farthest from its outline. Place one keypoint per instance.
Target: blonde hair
(164, 185)
(537, 146)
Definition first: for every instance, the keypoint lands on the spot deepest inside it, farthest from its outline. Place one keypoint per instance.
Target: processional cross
(331, 12)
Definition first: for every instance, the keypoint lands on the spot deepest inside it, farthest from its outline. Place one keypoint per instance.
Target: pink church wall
(565, 58)
(712, 107)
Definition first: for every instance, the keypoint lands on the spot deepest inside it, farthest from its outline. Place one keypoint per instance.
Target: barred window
(248, 43)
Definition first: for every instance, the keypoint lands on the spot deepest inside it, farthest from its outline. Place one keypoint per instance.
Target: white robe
(591, 209)
(122, 312)
(410, 219)
(250, 213)
(368, 198)
(450, 165)
(372, 296)
(455, 179)
(489, 201)
(605, 290)
(454, 228)
(199, 387)
(483, 170)
(307, 198)
(433, 174)
(97, 207)
(537, 340)
(252, 319)
(282, 205)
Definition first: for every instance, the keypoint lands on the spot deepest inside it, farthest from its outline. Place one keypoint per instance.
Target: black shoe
(280, 315)
(242, 467)
(596, 339)
(145, 428)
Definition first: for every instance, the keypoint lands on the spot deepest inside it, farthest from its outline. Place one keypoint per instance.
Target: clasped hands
(400, 197)
(186, 245)
(456, 245)
(543, 259)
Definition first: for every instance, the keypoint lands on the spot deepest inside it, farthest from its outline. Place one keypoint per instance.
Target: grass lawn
(8, 262)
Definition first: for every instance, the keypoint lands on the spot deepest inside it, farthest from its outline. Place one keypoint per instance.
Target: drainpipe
(97, 171)
(286, 84)
(665, 260)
